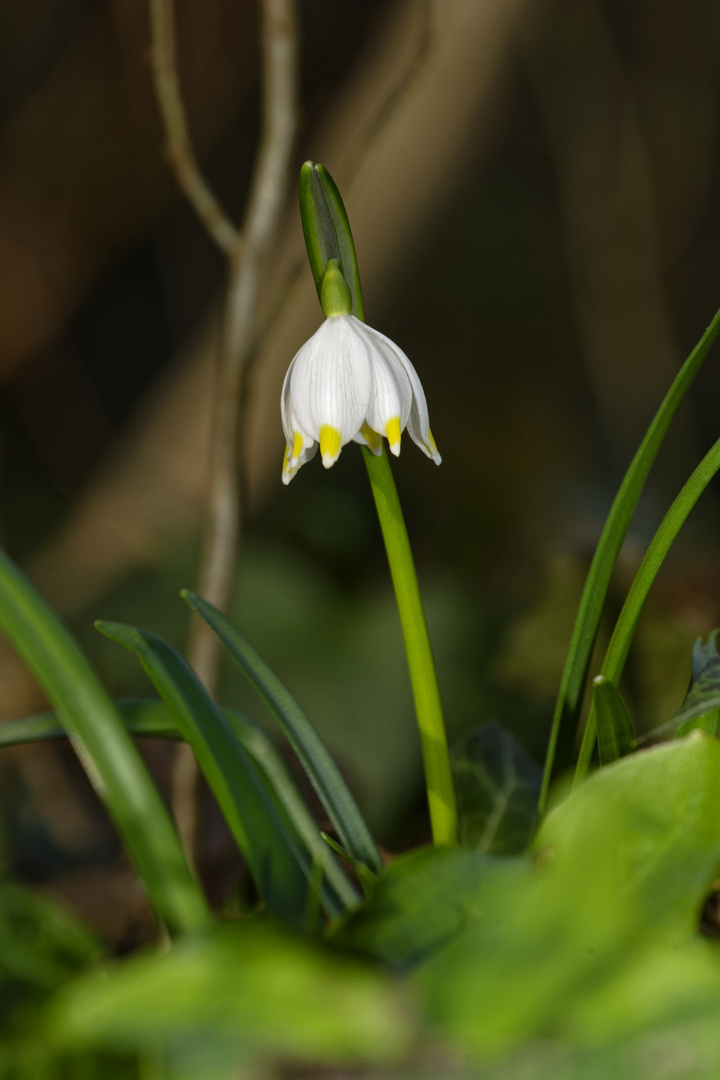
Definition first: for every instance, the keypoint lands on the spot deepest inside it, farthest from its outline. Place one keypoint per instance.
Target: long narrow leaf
(110, 758)
(151, 717)
(570, 696)
(302, 736)
(338, 894)
(275, 864)
(625, 627)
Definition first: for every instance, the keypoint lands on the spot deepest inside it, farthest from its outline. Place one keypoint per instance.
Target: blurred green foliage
(582, 958)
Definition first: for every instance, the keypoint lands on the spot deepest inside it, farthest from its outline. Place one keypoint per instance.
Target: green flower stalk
(349, 383)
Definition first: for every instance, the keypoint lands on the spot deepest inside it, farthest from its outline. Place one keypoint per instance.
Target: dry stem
(178, 147)
(245, 251)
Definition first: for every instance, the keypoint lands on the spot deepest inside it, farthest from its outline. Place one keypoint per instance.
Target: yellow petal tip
(392, 433)
(330, 445)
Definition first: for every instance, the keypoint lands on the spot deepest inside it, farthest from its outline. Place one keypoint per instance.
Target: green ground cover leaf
(497, 785)
(596, 942)
(421, 902)
(251, 987)
(667, 800)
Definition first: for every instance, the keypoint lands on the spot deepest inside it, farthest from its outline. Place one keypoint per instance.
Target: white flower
(349, 382)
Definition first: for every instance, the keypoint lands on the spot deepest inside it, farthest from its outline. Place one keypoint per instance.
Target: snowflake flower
(351, 383)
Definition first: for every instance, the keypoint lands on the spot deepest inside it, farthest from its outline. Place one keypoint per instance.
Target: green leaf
(701, 707)
(365, 876)
(596, 940)
(327, 231)
(300, 733)
(250, 987)
(140, 716)
(337, 893)
(253, 819)
(497, 786)
(624, 631)
(615, 731)
(41, 945)
(107, 752)
(572, 686)
(421, 902)
(668, 800)
(41, 948)
(151, 717)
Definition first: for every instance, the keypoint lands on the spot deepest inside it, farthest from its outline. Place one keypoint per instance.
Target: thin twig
(178, 147)
(245, 251)
(268, 185)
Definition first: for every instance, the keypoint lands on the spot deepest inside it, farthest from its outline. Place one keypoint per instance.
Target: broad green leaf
(497, 786)
(322, 771)
(615, 731)
(668, 798)
(107, 752)
(327, 231)
(261, 992)
(421, 901)
(572, 685)
(253, 819)
(596, 941)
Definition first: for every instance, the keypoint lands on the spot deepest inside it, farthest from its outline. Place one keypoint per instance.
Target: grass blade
(302, 736)
(341, 894)
(572, 685)
(625, 627)
(277, 867)
(108, 754)
(151, 717)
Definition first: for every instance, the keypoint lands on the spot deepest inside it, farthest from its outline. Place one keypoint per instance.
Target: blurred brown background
(532, 187)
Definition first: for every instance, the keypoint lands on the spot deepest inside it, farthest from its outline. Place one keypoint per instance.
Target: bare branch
(238, 334)
(178, 147)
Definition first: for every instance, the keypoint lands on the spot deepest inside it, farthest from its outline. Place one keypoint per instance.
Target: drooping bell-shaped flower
(350, 383)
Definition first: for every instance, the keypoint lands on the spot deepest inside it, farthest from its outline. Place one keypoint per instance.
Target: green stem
(625, 627)
(433, 739)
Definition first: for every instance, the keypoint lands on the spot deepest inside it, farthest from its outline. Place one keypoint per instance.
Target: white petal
(418, 423)
(292, 464)
(331, 381)
(391, 396)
